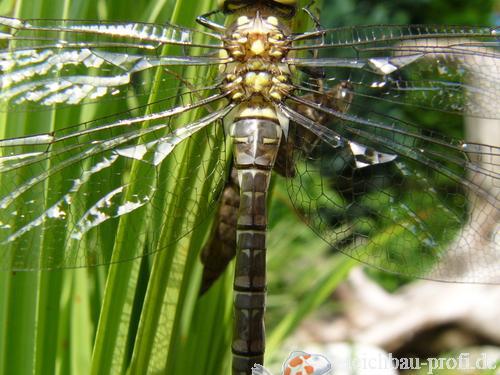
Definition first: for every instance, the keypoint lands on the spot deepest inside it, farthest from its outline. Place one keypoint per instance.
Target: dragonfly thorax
(257, 46)
(257, 36)
(263, 84)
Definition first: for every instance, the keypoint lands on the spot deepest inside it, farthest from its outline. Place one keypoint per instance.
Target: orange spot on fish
(287, 371)
(307, 356)
(294, 362)
(309, 369)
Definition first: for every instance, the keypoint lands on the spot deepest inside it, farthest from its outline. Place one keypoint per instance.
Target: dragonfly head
(283, 8)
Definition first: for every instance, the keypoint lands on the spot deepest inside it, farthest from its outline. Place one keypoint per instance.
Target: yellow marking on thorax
(272, 20)
(257, 81)
(258, 110)
(257, 47)
(242, 20)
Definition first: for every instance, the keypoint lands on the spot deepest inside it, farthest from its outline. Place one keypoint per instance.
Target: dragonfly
(308, 105)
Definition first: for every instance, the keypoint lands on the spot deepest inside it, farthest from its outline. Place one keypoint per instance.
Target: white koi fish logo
(299, 363)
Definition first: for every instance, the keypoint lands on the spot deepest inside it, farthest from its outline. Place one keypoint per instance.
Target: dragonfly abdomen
(256, 142)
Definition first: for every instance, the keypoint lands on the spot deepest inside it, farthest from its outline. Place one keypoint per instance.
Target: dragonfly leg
(313, 17)
(204, 20)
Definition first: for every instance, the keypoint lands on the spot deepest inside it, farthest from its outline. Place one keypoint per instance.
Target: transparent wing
(395, 196)
(48, 62)
(110, 33)
(438, 67)
(67, 191)
(369, 175)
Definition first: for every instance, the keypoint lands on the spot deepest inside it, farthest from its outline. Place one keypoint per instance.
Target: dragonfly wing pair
(70, 182)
